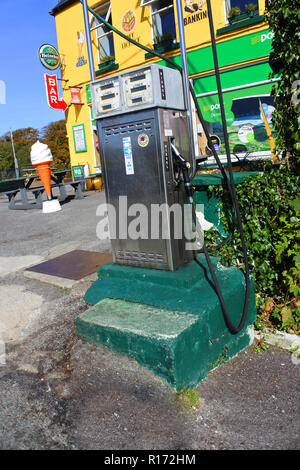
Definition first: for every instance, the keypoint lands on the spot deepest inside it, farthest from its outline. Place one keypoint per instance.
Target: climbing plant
(270, 211)
(283, 17)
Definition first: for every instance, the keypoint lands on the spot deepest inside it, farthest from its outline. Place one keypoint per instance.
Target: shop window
(104, 36)
(163, 21)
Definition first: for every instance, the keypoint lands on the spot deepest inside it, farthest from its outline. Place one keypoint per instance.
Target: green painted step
(188, 290)
(174, 345)
(169, 322)
(168, 343)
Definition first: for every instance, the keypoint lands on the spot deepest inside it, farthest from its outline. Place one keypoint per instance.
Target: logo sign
(49, 56)
(195, 10)
(216, 141)
(52, 93)
(75, 95)
(128, 21)
(246, 134)
(80, 43)
(143, 140)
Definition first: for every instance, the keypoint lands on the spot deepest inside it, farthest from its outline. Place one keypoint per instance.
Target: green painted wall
(233, 51)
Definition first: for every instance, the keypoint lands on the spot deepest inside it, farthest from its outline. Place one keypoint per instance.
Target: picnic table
(24, 185)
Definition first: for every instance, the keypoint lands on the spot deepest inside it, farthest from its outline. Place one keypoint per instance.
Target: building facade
(243, 44)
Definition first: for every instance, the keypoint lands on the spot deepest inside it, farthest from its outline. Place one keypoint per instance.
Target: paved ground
(57, 392)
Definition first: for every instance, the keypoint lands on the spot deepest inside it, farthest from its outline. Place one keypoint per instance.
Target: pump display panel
(107, 96)
(138, 88)
(146, 87)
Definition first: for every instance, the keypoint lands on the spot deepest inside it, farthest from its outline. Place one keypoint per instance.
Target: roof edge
(61, 6)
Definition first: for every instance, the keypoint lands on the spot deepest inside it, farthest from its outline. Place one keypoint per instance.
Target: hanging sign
(52, 93)
(49, 57)
(75, 95)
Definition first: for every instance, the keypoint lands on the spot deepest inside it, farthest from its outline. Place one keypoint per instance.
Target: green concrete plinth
(170, 322)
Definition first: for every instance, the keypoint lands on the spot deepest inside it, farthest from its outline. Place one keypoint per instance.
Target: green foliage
(261, 346)
(6, 155)
(235, 11)
(54, 135)
(251, 7)
(283, 17)
(269, 205)
(190, 398)
(107, 58)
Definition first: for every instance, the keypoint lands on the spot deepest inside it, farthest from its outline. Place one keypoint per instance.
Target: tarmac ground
(58, 392)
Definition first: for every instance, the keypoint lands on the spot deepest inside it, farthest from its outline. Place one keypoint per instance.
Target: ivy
(270, 212)
(283, 17)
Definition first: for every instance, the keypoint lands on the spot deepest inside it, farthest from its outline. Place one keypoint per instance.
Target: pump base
(183, 334)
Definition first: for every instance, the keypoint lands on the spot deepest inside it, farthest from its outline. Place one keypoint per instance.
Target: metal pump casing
(138, 114)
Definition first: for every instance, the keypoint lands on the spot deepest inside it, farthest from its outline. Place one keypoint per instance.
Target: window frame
(154, 13)
(228, 6)
(109, 34)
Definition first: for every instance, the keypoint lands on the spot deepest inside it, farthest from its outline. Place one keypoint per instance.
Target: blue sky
(24, 26)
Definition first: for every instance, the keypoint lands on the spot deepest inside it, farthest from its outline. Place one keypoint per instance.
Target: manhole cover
(74, 265)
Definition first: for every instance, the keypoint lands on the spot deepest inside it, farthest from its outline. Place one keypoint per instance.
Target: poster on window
(245, 121)
(79, 138)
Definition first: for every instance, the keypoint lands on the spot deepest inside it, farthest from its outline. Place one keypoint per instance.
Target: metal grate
(141, 258)
(125, 129)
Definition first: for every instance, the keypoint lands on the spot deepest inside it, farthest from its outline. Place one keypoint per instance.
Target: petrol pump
(140, 115)
(147, 154)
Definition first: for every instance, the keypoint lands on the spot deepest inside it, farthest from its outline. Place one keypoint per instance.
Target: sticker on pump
(143, 140)
(127, 149)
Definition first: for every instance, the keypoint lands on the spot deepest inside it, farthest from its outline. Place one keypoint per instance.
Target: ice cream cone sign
(41, 158)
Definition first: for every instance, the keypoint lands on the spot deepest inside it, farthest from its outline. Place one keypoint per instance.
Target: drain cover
(74, 265)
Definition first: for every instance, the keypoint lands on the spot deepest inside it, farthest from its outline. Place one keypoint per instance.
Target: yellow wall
(70, 21)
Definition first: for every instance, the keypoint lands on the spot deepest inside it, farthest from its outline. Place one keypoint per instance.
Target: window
(104, 35)
(238, 3)
(163, 21)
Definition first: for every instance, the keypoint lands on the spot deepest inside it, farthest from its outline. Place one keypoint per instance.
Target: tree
(283, 18)
(55, 136)
(23, 140)
(6, 156)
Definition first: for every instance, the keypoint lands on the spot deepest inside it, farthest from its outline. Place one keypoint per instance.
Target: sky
(24, 26)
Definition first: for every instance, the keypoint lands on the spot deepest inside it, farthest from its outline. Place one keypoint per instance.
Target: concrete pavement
(57, 392)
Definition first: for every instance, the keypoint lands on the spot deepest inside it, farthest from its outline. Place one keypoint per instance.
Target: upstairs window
(104, 36)
(241, 4)
(163, 20)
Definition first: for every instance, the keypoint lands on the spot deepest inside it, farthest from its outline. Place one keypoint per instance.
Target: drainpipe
(185, 79)
(88, 39)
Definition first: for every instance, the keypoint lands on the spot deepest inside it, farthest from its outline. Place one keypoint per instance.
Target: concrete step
(174, 345)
